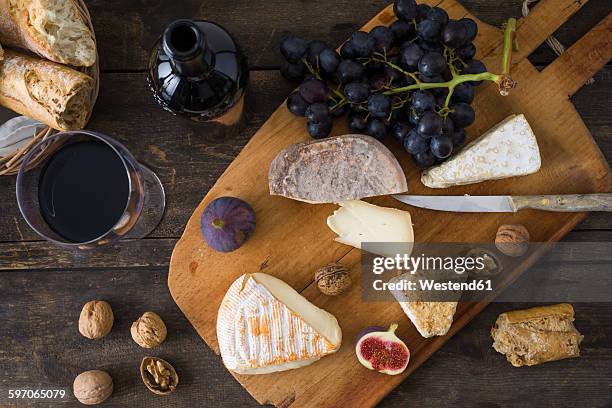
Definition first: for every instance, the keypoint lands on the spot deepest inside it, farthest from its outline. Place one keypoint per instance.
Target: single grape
(319, 130)
(462, 115)
(293, 72)
(402, 31)
(474, 67)
(348, 51)
(471, 28)
(296, 104)
(379, 105)
(318, 113)
(329, 61)
(438, 14)
(384, 38)
(405, 9)
(464, 92)
(414, 143)
(459, 137)
(293, 48)
(441, 146)
(440, 99)
(377, 128)
(422, 10)
(454, 34)
(466, 52)
(398, 114)
(423, 101)
(349, 71)
(357, 92)
(429, 30)
(314, 50)
(363, 43)
(410, 55)
(314, 90)
(424, 159)
(430, 124)
(356, 121)
(432, 64)
(399, 131)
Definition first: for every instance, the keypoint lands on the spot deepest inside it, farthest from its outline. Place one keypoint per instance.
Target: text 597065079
(29, 393)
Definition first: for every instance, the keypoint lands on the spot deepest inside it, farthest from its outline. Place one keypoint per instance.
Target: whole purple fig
(226, 223)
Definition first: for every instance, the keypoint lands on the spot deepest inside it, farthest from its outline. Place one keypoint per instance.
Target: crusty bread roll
(54, 94)
(537, 335)
(53, 29)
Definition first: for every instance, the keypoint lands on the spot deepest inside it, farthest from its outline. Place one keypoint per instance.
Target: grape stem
(504, 81)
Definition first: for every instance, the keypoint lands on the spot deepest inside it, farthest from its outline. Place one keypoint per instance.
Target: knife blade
(467, 203)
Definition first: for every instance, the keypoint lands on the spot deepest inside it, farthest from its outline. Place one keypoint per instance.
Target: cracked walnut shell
(92, 387)
(512, 240)
(96, 319)
(158, 375)
(149, 330)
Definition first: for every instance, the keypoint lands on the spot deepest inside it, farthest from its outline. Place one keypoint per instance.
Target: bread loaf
(53, 29)
(45, 91)
(537, 335)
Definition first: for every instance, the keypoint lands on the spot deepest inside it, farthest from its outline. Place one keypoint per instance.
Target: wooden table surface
(43, 287)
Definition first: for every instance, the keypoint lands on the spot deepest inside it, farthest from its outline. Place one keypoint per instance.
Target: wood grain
(199, 277)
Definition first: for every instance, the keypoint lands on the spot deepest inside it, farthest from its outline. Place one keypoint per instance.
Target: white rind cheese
(430, 318)
(264, 326)
(357, 222)
(509, 149)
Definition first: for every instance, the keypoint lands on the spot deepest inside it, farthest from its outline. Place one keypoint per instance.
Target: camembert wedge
(264, 326)
(509, 149)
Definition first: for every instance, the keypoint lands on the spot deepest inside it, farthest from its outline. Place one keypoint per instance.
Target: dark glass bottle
(198, 70)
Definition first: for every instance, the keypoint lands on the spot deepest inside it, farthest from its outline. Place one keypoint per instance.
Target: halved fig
(381, 350)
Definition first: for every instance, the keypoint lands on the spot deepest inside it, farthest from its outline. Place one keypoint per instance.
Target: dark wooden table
(43, 287)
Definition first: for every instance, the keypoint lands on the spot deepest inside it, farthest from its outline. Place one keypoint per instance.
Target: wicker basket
(9, 165)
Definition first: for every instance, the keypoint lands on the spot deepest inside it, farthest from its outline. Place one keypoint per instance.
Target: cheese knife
(467, 203)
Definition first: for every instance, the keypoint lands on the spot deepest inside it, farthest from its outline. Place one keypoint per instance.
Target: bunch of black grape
(366, 80)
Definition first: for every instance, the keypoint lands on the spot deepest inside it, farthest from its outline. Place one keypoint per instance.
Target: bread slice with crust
(53, 29)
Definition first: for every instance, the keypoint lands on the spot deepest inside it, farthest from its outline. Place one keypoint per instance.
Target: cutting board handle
(565, 203)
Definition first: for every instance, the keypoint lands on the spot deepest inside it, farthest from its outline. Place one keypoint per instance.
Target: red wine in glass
(89, 191)
(83, 190)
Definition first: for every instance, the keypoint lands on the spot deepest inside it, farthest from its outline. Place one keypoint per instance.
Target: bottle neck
(185, 44)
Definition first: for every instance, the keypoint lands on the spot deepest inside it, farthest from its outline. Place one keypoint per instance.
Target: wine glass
(88, 191)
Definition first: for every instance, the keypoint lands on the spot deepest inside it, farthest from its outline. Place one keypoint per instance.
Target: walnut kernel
(512, 240)
(333, 279)
(158, 375)
(149, 330)
(96, 319)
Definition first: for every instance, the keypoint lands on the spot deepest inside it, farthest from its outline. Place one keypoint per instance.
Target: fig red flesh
(384, 355)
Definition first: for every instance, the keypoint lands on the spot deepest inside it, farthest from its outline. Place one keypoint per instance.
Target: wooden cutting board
(293, 236)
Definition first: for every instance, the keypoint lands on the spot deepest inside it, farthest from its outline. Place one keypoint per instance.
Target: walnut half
(158, 375)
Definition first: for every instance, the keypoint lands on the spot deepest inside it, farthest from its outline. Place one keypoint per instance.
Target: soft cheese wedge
(430, 318)
(264, 326)
(357, 222)
(509, 149)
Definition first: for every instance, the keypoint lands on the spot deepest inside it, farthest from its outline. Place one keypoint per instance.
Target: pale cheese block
(509, 149)
(341, 168)
(264, 326)
(357, 222)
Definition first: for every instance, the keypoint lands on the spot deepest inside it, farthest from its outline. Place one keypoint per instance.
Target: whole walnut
(512, 240)
(96, 319)
(149, 330)
(92, 387)
(333, 279)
